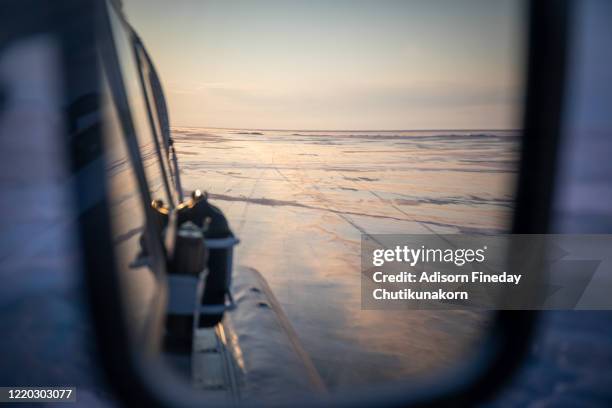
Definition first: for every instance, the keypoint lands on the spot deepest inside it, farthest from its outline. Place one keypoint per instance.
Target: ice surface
(299, 201)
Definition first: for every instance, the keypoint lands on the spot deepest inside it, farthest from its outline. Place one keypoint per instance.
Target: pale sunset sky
(335, 64)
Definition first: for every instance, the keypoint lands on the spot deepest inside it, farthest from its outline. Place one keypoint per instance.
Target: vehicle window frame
(111, 65)
(149, 81)
(133, 49)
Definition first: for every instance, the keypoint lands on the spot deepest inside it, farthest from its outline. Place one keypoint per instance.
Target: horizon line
(352, 130)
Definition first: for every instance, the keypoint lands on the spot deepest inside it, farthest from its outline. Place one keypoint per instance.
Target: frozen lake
(300, 200)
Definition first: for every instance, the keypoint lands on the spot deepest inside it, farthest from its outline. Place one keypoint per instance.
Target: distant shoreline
(350, 130)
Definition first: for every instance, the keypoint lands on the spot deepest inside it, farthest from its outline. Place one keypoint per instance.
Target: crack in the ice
(284, 203)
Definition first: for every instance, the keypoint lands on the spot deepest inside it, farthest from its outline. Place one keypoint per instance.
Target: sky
(337, 64)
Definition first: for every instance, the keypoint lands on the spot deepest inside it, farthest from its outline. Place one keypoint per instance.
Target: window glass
(158, 186)
(147, 74)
